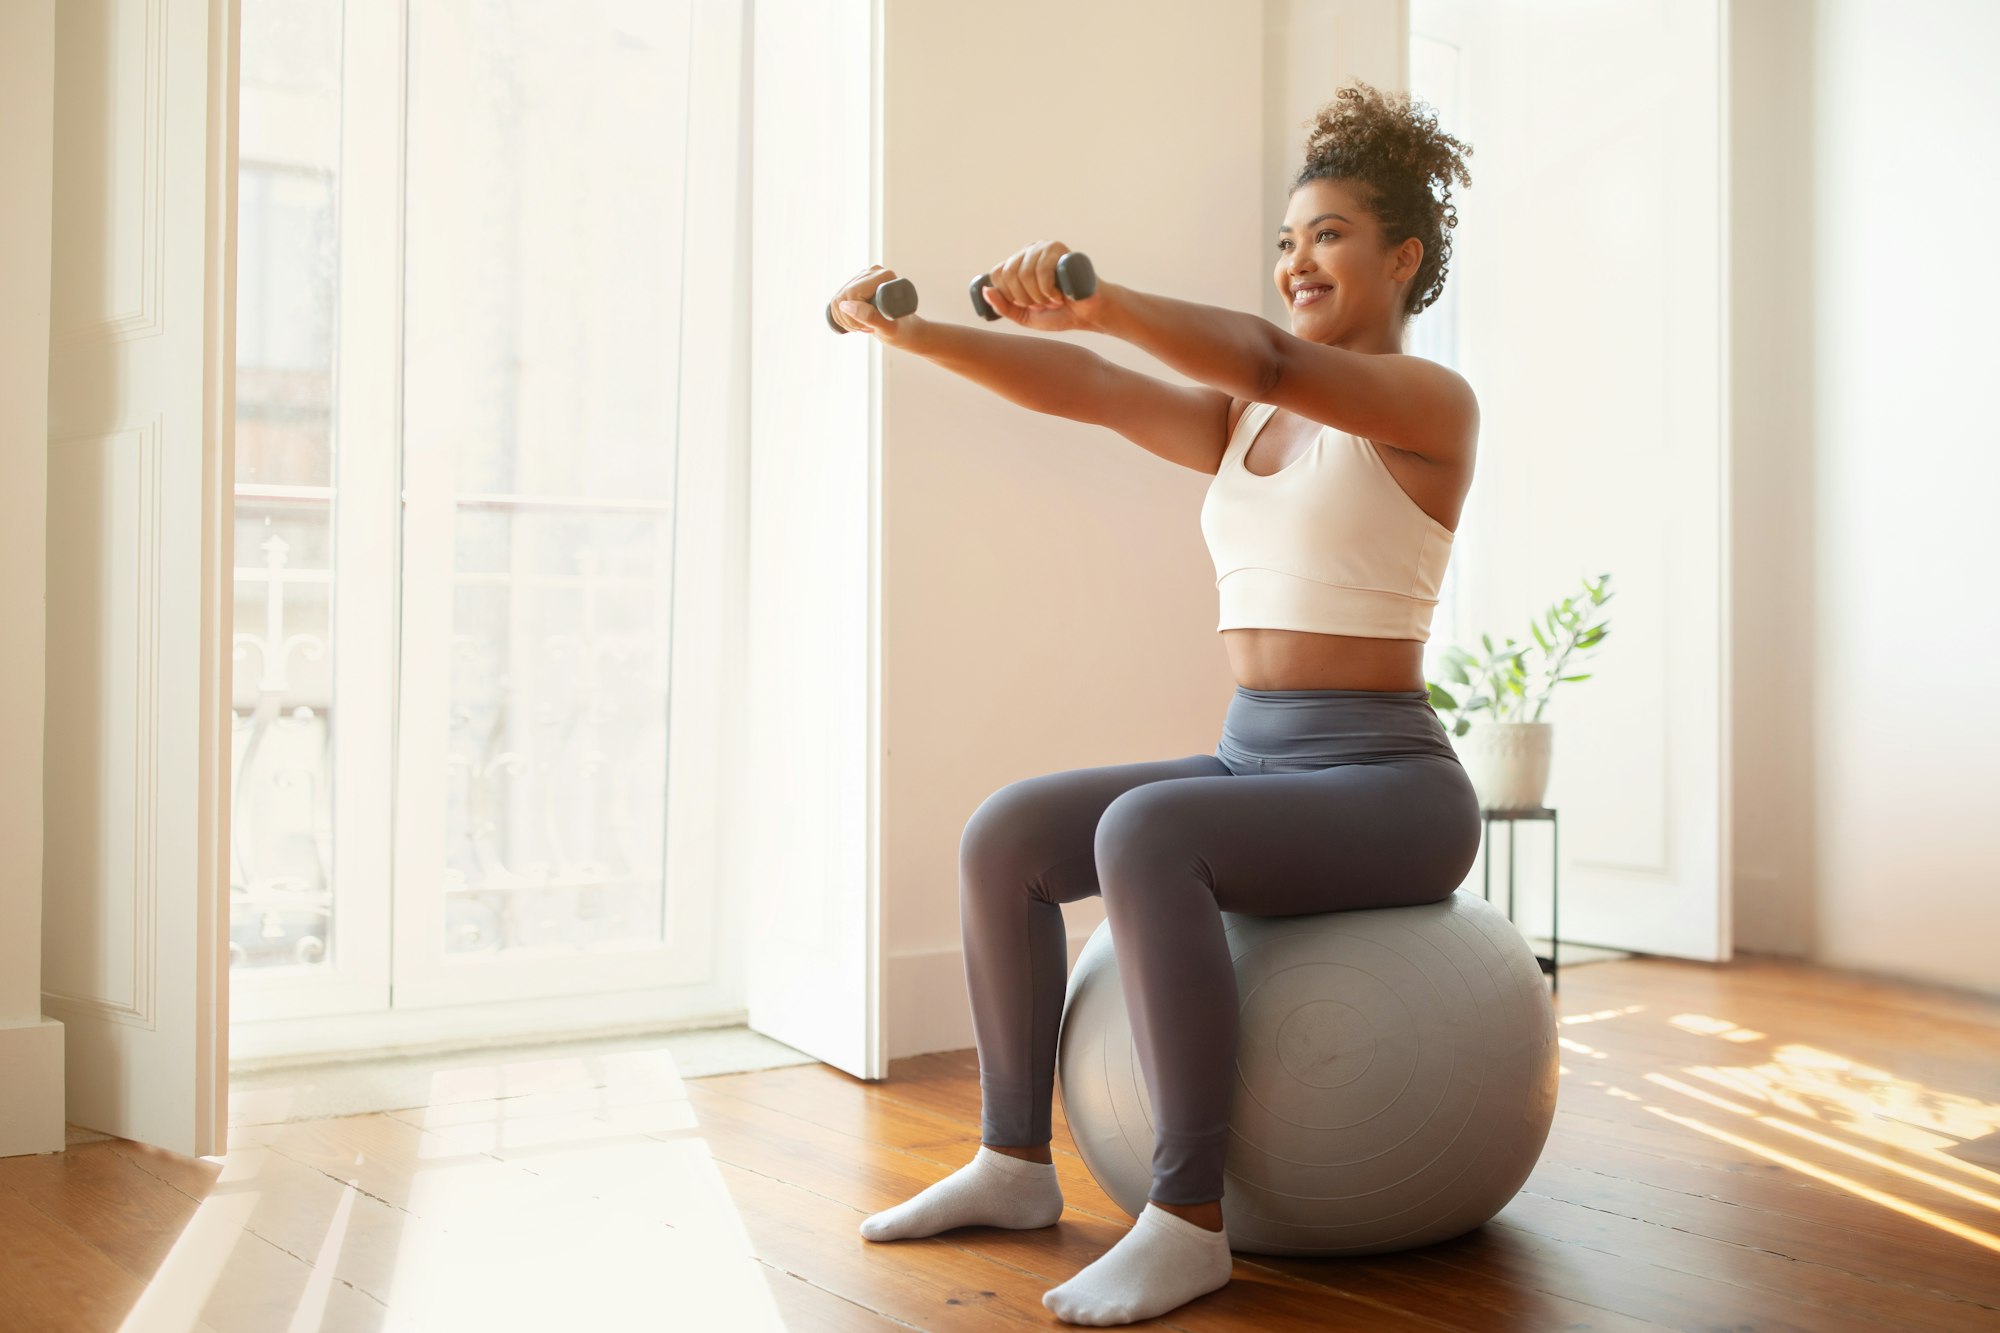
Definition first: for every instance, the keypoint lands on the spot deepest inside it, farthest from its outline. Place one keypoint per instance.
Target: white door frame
(141, 466)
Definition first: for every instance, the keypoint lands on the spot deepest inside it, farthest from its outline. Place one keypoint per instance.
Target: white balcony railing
(555, 763)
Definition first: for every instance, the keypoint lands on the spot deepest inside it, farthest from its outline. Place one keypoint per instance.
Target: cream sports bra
(1331, 543)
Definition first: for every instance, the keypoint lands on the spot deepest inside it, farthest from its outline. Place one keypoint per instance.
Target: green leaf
(1541, 639)
(1441, 697)
(1454, 670)
(1487, 639)
(1584, 676)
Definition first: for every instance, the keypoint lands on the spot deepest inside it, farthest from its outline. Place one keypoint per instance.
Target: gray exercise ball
(1395, 1076)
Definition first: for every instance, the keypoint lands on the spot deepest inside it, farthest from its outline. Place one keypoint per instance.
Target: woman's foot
(994, 1189)
(1164, 1261)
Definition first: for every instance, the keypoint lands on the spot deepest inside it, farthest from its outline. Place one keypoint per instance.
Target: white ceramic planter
(1508, 762)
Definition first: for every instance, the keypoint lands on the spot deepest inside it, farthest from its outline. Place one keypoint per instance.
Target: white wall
(31, 1049)
(1906, 281)
(1049, 602)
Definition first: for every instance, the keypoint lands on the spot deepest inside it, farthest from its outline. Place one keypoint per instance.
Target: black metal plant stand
(1510, 818)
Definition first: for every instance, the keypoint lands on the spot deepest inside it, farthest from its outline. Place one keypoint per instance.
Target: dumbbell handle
(894, 298)
(1073, 274)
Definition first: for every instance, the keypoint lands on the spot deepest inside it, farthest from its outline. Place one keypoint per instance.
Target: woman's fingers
(866, 318)
(1016, 277)
(1038, 292)
(996, 301)
(1028, 276)
(860, 290)
(1007, 277)
(1045, 271)
(1003, 307)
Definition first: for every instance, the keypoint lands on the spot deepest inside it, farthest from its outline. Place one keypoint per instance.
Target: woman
(1341, 466)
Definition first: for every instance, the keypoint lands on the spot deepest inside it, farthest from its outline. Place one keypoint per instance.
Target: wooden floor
(1756, 1146)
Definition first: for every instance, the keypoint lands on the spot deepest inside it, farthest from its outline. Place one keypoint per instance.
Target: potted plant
(1503, 692)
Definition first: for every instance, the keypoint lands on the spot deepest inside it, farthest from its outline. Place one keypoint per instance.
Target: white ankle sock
(1162, 1262)
(992, 1190)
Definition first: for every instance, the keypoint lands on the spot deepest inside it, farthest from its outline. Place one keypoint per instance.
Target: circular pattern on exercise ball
(1395, 1076)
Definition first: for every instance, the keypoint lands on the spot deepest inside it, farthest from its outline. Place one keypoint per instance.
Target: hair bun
(1391, 146)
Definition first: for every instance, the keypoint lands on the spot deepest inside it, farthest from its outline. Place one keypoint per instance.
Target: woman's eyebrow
(1321, 218)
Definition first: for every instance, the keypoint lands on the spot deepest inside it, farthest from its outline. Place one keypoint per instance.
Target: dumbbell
(1073, 274)
(894, 298)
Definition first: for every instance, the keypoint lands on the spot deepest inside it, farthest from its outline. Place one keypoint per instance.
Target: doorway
(458, 497)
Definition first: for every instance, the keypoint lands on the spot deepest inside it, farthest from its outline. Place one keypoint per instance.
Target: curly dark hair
(1391, 149)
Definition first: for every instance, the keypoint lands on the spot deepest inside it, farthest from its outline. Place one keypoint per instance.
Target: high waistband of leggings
(1331, 726)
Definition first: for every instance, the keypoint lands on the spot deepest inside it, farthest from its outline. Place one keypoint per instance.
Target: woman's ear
(1409, 258)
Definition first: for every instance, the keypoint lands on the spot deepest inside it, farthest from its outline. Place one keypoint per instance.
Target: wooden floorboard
(1756, 1146)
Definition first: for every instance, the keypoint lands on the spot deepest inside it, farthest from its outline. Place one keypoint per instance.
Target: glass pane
(281, 862)
(542, 318)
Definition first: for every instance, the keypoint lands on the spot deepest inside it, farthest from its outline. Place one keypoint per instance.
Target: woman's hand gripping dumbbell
(1037, 287)
(888, 297)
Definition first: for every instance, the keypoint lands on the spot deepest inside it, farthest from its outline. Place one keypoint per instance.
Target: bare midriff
(1283, 659)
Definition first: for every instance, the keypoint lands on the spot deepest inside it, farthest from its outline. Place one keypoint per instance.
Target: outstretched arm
(1400, 400)
(1223, 348)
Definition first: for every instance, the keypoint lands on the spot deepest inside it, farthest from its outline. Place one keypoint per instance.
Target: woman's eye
(1322, 235)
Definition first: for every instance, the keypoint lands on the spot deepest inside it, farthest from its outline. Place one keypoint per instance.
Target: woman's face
(1330, 252)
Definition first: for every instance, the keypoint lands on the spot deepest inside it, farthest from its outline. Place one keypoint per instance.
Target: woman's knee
(1137, 823)
(1004, 841)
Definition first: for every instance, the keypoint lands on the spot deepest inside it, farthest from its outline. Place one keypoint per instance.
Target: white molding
(141, 1007)
(148, 318)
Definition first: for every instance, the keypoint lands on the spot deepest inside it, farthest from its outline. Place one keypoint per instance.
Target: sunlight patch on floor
(1843, 1100)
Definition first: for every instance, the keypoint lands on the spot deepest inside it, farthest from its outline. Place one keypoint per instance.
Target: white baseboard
(31, 1088)
(929, 1009)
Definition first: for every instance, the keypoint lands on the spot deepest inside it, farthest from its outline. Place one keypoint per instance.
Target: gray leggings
(1355, 799)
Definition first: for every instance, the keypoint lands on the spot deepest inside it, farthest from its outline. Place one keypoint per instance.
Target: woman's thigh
(1039, 833)
(1386, 833)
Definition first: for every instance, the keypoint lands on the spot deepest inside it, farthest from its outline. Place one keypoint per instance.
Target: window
(458, 458)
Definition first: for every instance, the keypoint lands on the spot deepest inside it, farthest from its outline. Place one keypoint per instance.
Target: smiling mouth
(1308, 295)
